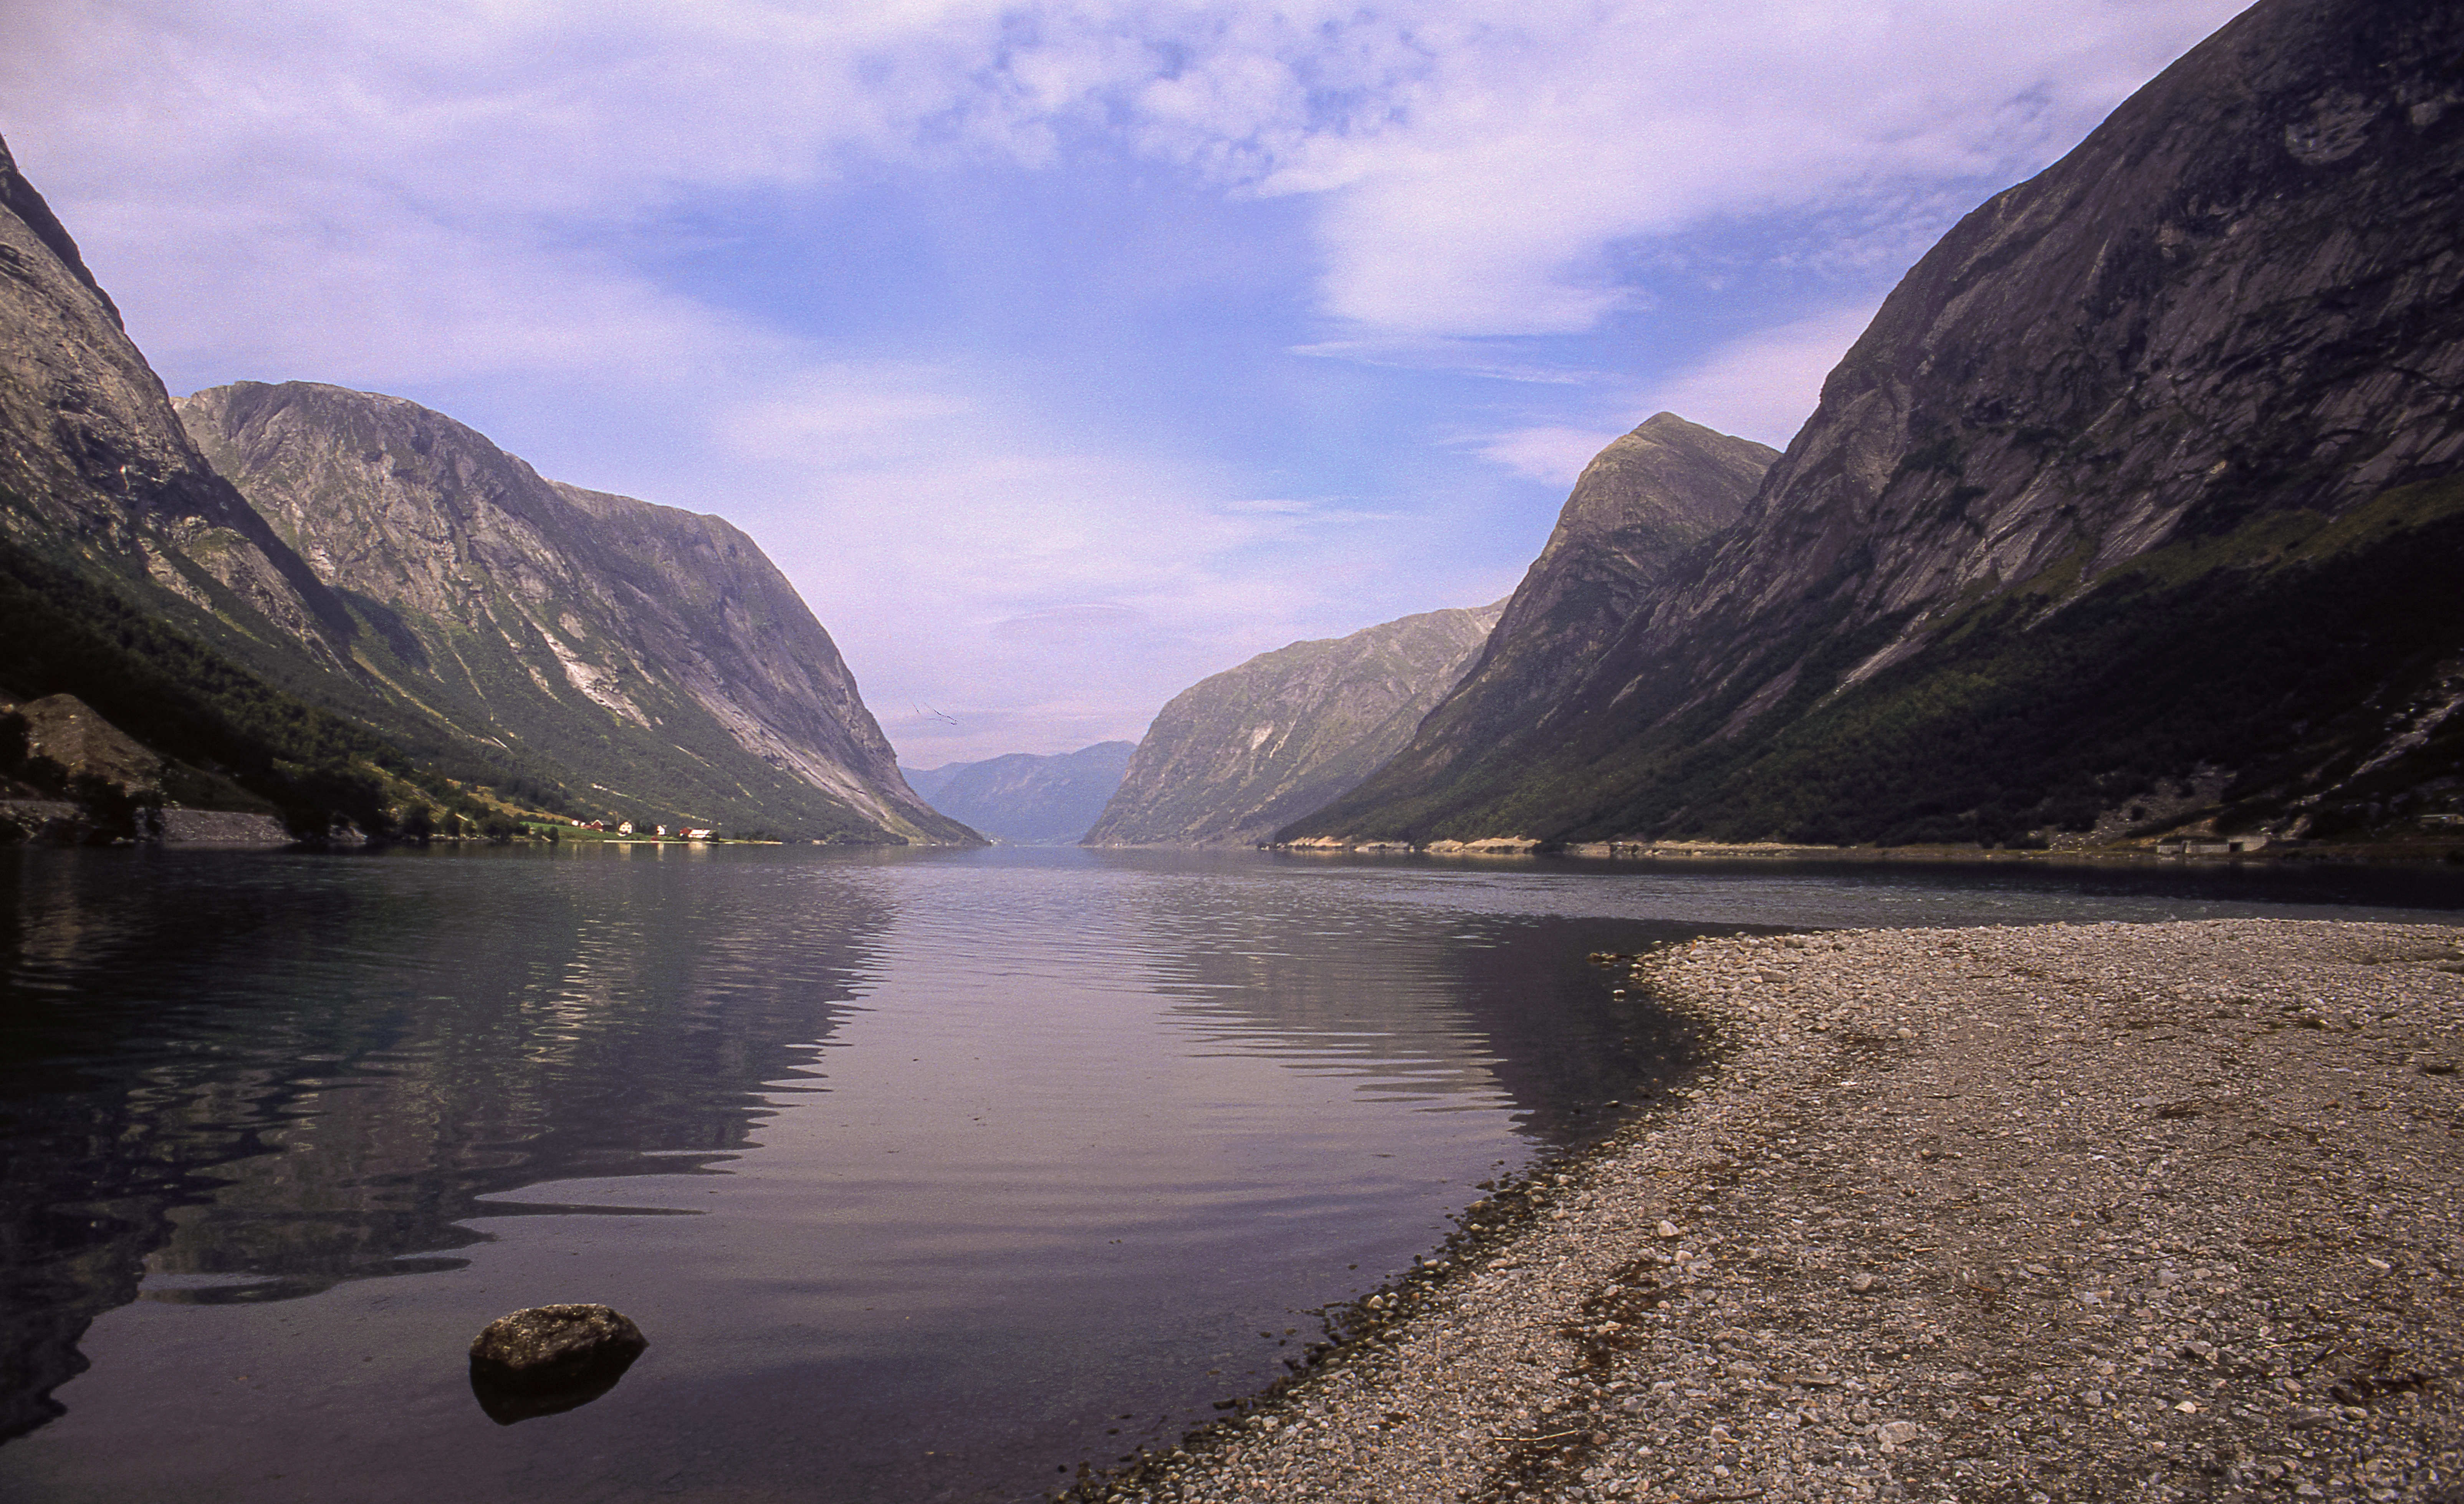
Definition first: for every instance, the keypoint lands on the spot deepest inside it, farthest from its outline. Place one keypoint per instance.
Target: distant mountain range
(1023, 799)
(1234, 757)
(2140, 506)
(369, 616)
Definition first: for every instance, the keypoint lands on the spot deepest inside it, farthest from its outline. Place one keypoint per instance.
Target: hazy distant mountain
(2149, 478)
(1026, 800)
(1235, 755)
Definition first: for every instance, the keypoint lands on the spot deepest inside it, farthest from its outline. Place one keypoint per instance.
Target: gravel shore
(2108, 1211)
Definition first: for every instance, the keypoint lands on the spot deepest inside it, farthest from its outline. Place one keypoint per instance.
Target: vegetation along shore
(2106, 1211)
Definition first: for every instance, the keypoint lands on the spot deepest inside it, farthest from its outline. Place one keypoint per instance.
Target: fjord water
(928, 1173)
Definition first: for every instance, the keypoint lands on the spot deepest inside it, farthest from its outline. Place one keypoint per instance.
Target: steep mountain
(655, 652)
(490, 629)
(665, 668)
(1233, 756)
(94, 466)
(2140, 493)
(134, 577)
(1637, 507)
(1026, 800)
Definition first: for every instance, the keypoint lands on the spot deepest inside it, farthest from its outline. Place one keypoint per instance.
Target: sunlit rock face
(1234, 757)
(2146, 476)
(96, 472)
(392, 566)
(656, 646)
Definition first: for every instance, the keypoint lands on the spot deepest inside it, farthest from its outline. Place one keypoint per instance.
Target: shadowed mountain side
(655, 650)
(1235, 755)
(1659, 491)
(1023, 800)
(2141, 487)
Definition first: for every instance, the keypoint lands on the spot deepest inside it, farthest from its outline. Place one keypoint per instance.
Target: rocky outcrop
(1234, 757)
(1026, 800)
(551, 1358)
(2147, 474)
(95, 471)
(656, 652)
(91, 781)
(81, 744)
(1665, 488)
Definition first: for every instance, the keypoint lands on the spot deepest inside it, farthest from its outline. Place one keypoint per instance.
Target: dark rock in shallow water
(550, 1358)
(548, 1336)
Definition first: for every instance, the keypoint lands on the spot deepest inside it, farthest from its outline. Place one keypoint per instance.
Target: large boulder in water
(551, 1358)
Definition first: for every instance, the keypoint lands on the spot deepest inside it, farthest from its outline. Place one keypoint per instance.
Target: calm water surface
(928, 1174)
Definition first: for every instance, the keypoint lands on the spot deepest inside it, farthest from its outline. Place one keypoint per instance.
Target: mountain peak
(2143, 479)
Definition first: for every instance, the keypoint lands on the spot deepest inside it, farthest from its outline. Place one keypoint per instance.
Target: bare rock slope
(2149, 473)
(656, 652)
(1235, 755)
(96, 472)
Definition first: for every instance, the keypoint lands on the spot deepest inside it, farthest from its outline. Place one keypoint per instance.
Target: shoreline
(2202, 853)
(2032, 1214)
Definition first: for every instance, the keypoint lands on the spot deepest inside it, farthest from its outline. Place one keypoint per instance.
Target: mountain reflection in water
(928, 1174)
(252, 1078)
(1142, 1100)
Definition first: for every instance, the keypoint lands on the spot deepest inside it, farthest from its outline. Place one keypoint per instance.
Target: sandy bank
(2063, 1213)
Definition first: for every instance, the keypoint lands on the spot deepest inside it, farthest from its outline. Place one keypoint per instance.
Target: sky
(1061, 354)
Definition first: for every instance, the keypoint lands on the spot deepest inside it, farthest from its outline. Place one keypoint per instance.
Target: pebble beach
(2104, 1211)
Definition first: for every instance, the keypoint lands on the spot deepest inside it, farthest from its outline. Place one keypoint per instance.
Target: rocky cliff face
(463, 621)
(96, 472)
(1236, 755)
(2147, 475)
(1665, 488)
(134, 577)
(1027, 800)
(655, 652)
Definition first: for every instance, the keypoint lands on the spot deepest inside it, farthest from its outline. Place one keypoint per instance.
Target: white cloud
(1551, 453)
(997, 596)
(838, 416)
(1476, 162)
(1493, 359)
(1763, 386)
(1512, 169)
